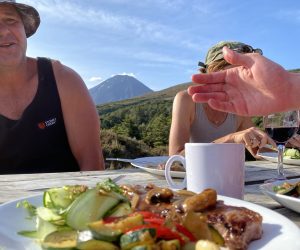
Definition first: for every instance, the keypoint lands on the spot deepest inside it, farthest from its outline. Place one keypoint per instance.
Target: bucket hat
(28, 14)
(215, 52)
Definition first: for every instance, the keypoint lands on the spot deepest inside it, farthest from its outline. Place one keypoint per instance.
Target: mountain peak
(118, 87)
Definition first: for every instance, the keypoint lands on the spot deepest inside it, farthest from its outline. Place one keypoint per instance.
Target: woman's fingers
(295, 141)
(258, 139)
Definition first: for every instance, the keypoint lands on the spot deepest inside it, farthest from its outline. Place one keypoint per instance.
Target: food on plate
(148, 217)
(291, 153)
(201, 214)
(177, 166)
(290, 189)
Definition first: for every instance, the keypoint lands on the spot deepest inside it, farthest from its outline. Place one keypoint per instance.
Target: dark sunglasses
(247, 49)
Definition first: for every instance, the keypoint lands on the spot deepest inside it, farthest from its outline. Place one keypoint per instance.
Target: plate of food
(155, 165)
(291, 156)
(285, 192)
(108, 216)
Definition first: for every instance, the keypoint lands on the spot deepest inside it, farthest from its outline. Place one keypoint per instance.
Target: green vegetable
(88, 207)
(50, 215)
(144, 247)
(29, 234)
(169, 244)
(44, 228)
(144, 236)
(108, 186)
(96, 244)
(59, 240)
(102, 232)
(86, 241)
(291, 153)
(61, 198)
(120, 210)
(29, 207)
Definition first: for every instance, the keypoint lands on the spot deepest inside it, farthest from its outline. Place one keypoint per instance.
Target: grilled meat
(237, 225)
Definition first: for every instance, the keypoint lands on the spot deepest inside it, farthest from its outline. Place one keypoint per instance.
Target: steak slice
(237, 225)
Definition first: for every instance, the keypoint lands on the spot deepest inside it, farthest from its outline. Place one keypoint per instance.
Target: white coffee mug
(211, 165)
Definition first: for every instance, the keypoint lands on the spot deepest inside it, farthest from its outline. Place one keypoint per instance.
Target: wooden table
(18, 186)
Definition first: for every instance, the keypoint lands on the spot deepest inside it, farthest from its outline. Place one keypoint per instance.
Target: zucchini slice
(169, 245)
(60, 240)
(96, 244)
(125, 224)
(102, 232)
(144, 236)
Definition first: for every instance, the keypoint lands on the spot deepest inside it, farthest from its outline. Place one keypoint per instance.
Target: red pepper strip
(180, 228)
(183, 230)
(161, 232)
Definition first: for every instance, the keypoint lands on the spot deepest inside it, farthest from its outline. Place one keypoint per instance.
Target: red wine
(281, 135)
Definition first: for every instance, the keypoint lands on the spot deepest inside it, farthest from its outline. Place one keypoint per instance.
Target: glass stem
(280, 171)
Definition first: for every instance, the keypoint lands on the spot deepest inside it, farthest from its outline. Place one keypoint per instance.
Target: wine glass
(281, 127)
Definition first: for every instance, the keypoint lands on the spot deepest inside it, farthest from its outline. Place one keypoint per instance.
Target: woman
(197, 122)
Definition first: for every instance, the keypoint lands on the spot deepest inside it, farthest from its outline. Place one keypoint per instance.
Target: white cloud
(100, 19)
(126, 74)
(95, 78)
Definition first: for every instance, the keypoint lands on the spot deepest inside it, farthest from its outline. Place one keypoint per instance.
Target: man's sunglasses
(247, 49)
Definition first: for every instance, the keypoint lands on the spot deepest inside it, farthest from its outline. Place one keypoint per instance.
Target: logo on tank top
(45, 124)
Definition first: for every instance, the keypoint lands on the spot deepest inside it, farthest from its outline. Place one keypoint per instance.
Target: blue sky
(160, 41)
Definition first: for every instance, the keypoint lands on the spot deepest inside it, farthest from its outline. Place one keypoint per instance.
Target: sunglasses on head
(247, 49)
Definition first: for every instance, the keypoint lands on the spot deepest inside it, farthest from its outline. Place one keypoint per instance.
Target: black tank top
(37, 142)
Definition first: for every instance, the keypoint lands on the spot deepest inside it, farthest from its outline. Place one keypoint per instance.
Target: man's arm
(80, 117)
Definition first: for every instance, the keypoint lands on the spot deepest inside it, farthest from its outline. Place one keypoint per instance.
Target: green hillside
(295, 70)
(139, 126)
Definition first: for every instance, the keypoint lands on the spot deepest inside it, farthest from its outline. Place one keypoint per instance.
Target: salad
(290, 189)
(291, 153)
(78, 217)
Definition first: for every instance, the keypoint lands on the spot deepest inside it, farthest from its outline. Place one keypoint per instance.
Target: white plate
(272, 156)
(279, 232)
(292, 203)
(150, 164)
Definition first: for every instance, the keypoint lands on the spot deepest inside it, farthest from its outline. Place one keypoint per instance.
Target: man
(48, 122)
(258, 87)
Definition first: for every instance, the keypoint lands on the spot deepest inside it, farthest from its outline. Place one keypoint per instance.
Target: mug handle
(168, 176)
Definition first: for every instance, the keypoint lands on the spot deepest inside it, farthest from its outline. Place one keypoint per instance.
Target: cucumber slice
(49, 215)
(120, 210)
(61, 198)
(88, 207)
(58, 240)
(44, 228)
